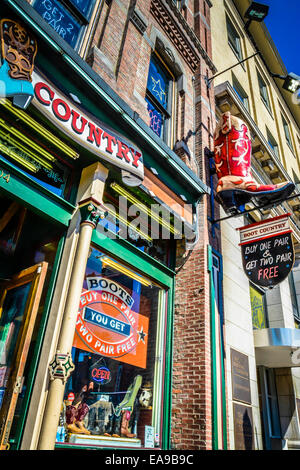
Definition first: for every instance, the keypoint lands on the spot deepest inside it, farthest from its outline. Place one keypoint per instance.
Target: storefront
(71, 254)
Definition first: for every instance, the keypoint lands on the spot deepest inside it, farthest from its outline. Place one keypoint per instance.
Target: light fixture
(62, 146)
(18, 158)
(143, 208)
(27, 141)
(26, 151)
(128, 224)
(291, 81)
(256, 12)
(106, 261)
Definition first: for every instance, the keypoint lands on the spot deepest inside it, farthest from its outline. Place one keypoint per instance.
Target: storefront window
(258, 309)
(113, 397)
(28, 246)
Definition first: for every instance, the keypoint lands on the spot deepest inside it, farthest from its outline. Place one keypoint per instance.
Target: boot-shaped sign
(236, 185)
(267, 251)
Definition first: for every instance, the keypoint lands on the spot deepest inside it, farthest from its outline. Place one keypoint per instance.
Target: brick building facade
(141, 68)
(124, 39)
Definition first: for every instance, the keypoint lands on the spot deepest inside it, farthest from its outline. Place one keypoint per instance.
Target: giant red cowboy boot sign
(236, 185)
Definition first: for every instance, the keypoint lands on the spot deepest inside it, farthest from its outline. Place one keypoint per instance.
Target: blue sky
(283, 23)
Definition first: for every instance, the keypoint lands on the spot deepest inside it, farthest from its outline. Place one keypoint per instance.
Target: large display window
(114, 396)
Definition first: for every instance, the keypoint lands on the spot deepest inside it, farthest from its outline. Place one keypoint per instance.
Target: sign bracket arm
(264, 206)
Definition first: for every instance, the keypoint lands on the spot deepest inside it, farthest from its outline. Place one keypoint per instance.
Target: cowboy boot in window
(125, 432)
(236, 185)
(18, 49)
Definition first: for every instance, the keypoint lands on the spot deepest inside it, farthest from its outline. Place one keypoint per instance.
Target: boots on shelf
(236, 185)
(74, 418)
(125, 432)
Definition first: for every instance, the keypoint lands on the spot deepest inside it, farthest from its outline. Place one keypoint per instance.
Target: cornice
(181, 34)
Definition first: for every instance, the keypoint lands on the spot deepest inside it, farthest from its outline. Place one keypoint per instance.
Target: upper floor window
(234, 39)
(67, 17)
(287, 132)
(263, 89)
(258, 308)
(272, 143)
(292, 277)
(159, 97)
(240, 92)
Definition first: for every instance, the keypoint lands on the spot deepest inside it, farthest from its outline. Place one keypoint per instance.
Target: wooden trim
(35, 274)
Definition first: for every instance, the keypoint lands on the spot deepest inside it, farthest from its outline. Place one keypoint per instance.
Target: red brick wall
(122, 59)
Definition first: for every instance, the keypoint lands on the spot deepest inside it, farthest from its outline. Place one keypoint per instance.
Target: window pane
(83, 5)
(272, 143)
(156, 118)
(158, 82)
(263, 91)
(109, 394)
(240, 92)
(287, 132)
(60, 19)
(257, 309)
(234, 39)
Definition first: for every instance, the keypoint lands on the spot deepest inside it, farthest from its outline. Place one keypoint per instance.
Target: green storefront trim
(21, 187)
(214, 369)
(15, 444)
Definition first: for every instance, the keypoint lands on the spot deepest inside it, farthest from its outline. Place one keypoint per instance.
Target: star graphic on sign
(142, 335)
(160, 92)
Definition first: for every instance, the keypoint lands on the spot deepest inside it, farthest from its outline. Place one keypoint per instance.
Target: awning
(277, 347)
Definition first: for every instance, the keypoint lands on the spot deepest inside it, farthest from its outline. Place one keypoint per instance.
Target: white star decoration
(160, 92)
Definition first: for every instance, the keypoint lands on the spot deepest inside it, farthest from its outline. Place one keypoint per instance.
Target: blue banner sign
(105, 321)
(60, 19)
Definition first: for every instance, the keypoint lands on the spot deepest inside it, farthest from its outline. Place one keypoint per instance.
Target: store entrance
(28, 245)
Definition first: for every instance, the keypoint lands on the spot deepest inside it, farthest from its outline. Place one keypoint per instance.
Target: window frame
(273, 143)
(270, 409)
(263, 91)
(287, 132)
(244, 98)
(294, 300)
(234, 39)
(168, 112)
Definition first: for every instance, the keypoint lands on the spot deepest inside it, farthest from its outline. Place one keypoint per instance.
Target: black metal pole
(209, 80)
(254, 209)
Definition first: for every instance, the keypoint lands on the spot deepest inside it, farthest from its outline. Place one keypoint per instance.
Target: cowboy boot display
(236, 185)
(127, 404)
(75, 415)
(125, 432)
(18, 49)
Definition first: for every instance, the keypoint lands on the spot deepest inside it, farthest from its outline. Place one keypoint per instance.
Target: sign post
(267, 251)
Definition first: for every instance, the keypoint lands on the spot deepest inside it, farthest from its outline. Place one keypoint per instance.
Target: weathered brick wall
(120, 53)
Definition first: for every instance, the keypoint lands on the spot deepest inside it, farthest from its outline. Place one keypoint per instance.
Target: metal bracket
(61, 367)
(265, 206)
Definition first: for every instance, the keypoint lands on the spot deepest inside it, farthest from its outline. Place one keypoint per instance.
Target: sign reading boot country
(107, 325)
(267, 250)
(86, 129)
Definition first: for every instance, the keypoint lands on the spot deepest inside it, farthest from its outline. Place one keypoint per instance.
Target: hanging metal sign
(267, 251)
